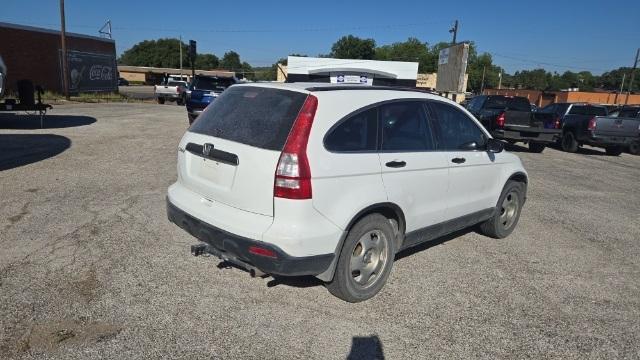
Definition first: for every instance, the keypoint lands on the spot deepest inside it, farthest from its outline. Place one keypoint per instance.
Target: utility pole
(65, 62)
(633, 74)
(484, 68)
(454, 31)
(500, 80)
(180, 57)
(621, 88)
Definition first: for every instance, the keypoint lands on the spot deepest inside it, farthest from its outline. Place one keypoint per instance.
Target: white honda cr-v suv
(332, 181)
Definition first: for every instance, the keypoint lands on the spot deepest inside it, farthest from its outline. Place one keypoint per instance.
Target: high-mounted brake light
(500, 120)
(592, 124)
(293, 174)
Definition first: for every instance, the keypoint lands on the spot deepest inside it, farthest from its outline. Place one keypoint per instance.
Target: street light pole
(454, 30)
(65, 63)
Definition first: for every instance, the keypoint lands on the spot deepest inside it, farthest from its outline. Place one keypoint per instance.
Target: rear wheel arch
(389, 210)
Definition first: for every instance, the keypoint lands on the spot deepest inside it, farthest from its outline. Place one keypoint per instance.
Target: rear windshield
(588, 110)
(255, 116)
(629, 112)
(176, 83)
(212, 83)
(512, 103)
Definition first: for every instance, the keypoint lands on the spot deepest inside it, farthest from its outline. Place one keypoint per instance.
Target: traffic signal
(192, 49)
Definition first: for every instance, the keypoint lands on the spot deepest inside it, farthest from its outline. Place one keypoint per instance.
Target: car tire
(192, 118)
(569, 143)
(160, 100)
(536, 147)
(613, 150)
(634, 148)
(508, 211)
(180, 101)
(365, 261)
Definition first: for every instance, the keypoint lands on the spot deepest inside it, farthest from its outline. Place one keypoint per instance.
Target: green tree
(410, 50)
(611, 80)
(165, 53)
(157, 53)
(207, 61)
(231, 61)
(352, 47)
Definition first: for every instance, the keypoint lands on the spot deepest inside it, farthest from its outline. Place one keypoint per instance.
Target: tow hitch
(202, 249)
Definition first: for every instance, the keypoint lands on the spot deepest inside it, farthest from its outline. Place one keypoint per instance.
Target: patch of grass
(50, 96)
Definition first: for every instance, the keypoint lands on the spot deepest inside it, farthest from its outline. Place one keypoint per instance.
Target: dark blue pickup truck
(203, 90)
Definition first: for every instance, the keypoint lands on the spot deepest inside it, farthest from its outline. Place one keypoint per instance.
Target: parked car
(332, 181)
(203, 90)
(589, 126)
(171, 91)
(511, 118)
(123, 82)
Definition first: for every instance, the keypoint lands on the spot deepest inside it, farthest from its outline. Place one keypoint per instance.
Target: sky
(558, 35)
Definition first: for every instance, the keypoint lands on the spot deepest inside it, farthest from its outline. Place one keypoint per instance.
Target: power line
(264, 30)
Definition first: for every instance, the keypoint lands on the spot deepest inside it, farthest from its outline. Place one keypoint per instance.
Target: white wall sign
(443, 58)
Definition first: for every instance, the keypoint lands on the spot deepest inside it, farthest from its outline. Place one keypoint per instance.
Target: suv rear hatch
(231, 152)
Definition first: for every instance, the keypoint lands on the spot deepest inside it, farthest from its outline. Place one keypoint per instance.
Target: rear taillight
(293, 174)
(500, 120)
(557, 123)
(592, 124)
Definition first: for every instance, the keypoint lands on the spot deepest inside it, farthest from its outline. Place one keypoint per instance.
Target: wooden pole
(65, 62)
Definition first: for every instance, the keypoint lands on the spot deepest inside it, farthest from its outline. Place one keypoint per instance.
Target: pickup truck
(510, 118)
(613, 133)
(203, 90)
(171, 91)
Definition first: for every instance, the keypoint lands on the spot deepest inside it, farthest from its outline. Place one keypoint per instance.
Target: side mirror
(469, 146)
(494, 146)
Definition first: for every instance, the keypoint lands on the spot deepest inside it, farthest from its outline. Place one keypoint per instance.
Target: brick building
(35, 54)
(544, 98)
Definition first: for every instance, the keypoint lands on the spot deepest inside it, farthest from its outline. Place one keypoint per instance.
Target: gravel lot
(91, 268)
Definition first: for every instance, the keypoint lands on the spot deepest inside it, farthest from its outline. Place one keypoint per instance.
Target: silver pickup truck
(613, 133)
(171, 91)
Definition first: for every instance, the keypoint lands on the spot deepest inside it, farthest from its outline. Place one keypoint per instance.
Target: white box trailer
(351, 71)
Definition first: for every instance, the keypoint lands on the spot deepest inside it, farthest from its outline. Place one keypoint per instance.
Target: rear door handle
(458, 160)
(396, 164)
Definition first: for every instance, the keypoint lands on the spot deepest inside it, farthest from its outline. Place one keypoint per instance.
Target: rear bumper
(169, 96)
(237, 247)
(605, 140)
(527, 134)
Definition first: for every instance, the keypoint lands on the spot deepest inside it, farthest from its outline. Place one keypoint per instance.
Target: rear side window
(588, 110)
(357, 133)
(405, 127)
(456, 128)
(255, 116)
